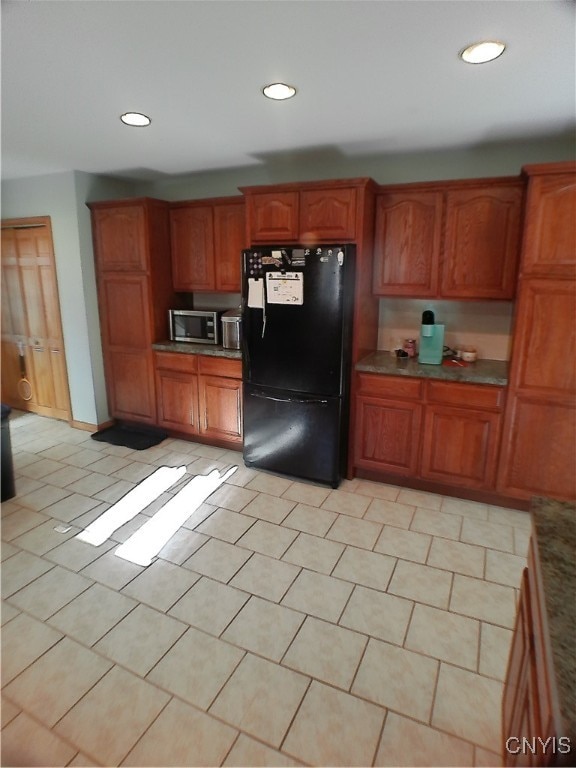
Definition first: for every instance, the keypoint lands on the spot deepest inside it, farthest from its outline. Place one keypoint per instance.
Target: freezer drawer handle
(289, 399)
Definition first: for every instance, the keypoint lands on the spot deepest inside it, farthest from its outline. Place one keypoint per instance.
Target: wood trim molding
(87, 427)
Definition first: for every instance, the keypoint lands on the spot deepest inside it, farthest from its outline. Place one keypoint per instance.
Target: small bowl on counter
(468, 354)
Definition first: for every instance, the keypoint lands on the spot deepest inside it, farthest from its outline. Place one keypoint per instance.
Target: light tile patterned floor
(284, 624)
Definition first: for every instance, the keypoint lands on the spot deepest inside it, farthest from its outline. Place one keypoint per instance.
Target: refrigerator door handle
(304, 401)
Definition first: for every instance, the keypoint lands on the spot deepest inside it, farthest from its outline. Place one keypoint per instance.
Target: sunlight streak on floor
(130, 505)
(148, 540)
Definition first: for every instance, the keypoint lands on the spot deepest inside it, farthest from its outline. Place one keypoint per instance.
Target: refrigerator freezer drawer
(294, 434)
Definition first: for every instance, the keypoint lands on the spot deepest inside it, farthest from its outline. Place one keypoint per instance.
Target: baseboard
(460, 492)
(87, 427)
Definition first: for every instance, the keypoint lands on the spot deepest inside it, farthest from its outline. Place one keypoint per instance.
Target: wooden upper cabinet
(307, 213)
(229, 240)
(273, 217)
(192, 242)
(328, 214)
(550, 236)
(457, 240)
(120, 238)
(482, 242)
(407, 244)
(207, 238)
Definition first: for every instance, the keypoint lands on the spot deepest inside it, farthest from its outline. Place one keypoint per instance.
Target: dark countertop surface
(187, 348)
(554, 524)
(481, 372)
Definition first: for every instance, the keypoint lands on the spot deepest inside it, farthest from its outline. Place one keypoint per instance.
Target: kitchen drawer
(220, 366)
(466, 395)
(401, 387)
(173, 361)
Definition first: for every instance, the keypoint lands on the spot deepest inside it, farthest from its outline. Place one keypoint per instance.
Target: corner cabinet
(134, 294)
(200, 395)
(456, 240)
(539, 439)
(207, 238)
(308, 213)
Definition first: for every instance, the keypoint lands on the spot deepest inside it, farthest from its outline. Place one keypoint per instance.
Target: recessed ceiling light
(279, 91)
(480, 53)
(136, 119)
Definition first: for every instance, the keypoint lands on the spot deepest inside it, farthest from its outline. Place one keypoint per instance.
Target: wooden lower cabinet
(519, 713)
(461, 435)
(130, 377)
(444, 432)
(388, 435)
(177, 401)
(220, 408)
(200, 395)
(460, 446)
(540, 448)
(533, 730)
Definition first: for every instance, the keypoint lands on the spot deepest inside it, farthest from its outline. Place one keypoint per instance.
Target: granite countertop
(554, 524)
(480, 372)
(187, 348)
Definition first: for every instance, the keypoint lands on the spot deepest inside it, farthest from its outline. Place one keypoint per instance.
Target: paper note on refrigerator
(255, 293)
(285, 288)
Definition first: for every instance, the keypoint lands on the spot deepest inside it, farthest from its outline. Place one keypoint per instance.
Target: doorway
(34, 373)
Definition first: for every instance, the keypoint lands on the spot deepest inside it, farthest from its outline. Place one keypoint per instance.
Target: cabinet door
(460, 446)
(120, 238)
(387, 435)
(546, 338)
(192, 243)
(130, 385)
(407, 244)
(273, 217)
(229, 240)
(550, 237)
(538, 453)
(177, 401)
(482, 242)
(518, 699)
(125, 312)
(327, 214)
(220, 408)
(127, 343)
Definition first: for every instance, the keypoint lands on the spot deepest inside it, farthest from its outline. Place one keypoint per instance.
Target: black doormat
(136, 438)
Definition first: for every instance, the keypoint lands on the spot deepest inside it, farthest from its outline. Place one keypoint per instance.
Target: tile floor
(284, 623)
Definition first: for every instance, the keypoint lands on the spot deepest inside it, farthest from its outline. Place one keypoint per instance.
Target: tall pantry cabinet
(134, 276)
(539, 437)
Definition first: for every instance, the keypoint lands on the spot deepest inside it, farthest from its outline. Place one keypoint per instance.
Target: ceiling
(374, 76)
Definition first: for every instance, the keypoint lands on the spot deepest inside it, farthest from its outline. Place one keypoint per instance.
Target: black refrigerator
(296, 341)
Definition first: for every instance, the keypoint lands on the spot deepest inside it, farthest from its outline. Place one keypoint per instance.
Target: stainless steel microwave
(194, 325)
